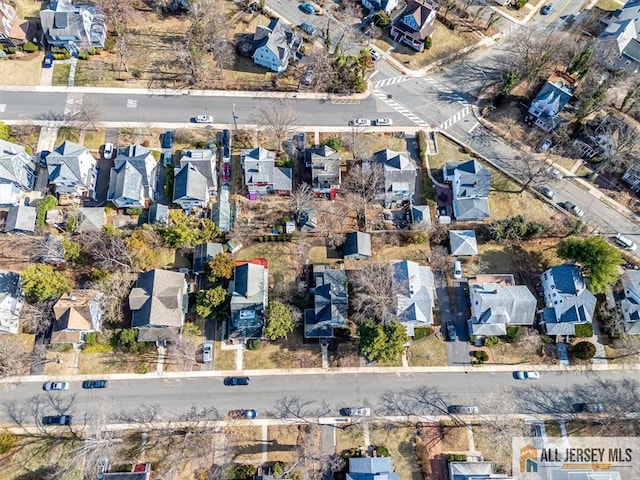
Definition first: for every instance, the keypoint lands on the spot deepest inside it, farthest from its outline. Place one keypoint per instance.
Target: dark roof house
(630, 304)
(377, 5)
(330, 298)
(17, 167)
(72, 170)
(249, 299)
(324, 163)
(203, 253)
(414, 24)
(400, 175)
(275, 45)
(11, 300)
(158, 304)
(551, 99)
(470, 183)
(568, 302)
(76, 27)
(204, 160)
(190, 188)
(357, 246)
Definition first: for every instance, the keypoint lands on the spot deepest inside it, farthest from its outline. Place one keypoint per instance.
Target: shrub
(44, 205)
(546, 339)
(241, 472)
(109, 209)
(201, 144)
(334, 143)
(7, 441)
(521, 3)
(28, 149)
(142, 368)
(584, 350)
(428, 42)
(491, 341)
(91, 338)
(514, 334)
(456, 457)
(340, 332)
(134, 212)
(481, 356)
(382, 451)
(584, 330)
(421, 138)
(98, 274)
(421, 332)
(382, 19)
(278, 469)
(254, 344)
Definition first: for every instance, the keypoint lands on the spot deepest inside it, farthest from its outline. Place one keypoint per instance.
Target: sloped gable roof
(357, 243)
(16, 165)
(21, 219)
(190, 184)
(330, 302)
(11, 300)
(414, 287)
(158, 299)
(79, 310)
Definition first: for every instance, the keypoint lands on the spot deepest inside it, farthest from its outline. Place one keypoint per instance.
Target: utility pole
(235, 118)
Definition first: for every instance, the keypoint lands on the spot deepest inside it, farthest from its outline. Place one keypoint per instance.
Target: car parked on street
(356, 412)
(307, 28)
(547, 192)
(625, 242)
(361, 122)
(246, 414)
(95, 384)
(546, 10)
(57, 420)
(589, 407)
(203, 119)
(573, 208)
(463, 409)
(383, 122)
(526, 375)
(51, 386)
(307, 8)
(374, 55)
(552, 172)
(236, 381)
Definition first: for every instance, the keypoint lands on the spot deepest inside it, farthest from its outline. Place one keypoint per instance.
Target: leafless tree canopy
(302, 199)
(418, 401)
(365, 181)
(115, 289)
(298, 408)
(108, 252)
(372, 296)
(14, 357)
(278, 118)
(37, 317)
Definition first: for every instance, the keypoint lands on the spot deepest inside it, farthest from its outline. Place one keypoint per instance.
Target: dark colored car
(546, 10)
(95, 384)
(589, 407)
(57, 420)
(47, 62)
(236, 381)
(167, 139)
(307, 8)
(226, 136)
(43, 158)
(451, 330)
(248, 414)
(307, 28)
(463, 409)
(226, 172)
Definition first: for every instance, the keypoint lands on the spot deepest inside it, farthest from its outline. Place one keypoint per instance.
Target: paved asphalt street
(554, 393)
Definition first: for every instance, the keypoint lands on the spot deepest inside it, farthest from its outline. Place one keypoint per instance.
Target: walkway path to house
(75, 368)
(265, 444)
(601, 356)
(324, 348)
(470, 439)
(563, 353)
(239, 357)
(160, 362)
(366, 435)
(46, 77)
(72, 71)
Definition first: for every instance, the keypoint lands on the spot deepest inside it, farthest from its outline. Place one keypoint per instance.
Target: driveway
(458, 351)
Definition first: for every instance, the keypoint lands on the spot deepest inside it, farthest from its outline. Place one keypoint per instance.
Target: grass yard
(526, 351)
(188, 138)
(61, 73)
(281, 268)
(445, 42)
(223, 359)
(399, 441)
(59, 363)
(116, 362)
(283, 440)
(318, 256)
(448, 151)
(414, 252)
(289, 353)
(28, 8)
(609, 5)
(94, 139)
(428, 352)
(552, 428)
(247, 446)
(350, 437)
(68, 134)
(27, 457)
(536, 255)
(21, 69)
(454, 437)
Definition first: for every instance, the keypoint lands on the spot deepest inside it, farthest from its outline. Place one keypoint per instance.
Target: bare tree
(118, 12)
(300, 409)
(90, 113)
(621, 140)
(37, 318)
(532, 172)
(421, 401)
(115, 289)
(330, 220)
(302, 200)
(14, 357)
(108, 251)
(321, 64)
(366, 181)
(373, 296)
(279, 118)
(440, 260)
(182, 351)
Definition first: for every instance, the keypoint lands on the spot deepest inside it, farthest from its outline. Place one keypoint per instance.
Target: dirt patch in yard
(16, 250)
(526, 351)
(283, 443)
(415, 252)
(21, 69)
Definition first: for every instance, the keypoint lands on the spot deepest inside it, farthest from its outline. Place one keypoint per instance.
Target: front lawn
(399, 441)
(282, 268)
(427, 352)
(289, 353)
(61, 73)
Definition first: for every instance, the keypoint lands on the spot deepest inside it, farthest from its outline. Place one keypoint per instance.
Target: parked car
(248, 414)
(226, 172)
(457, 270)
(47, 62)
(49, 386)
(307, 28)
(204, 119)
(526, 375)
(545, 145)
(95, 384)
(356, 412)
(207, 353)
(374, 55)
(546, 10)
(361, 122)
(625, 242)
(226, 138)
(167, 158)
(573, 208)
(43, 158)
(547, 192)
(307, 8)
(589, 407)
(552, 172)
(167, 139)
(451, 330)
(235, 381)
(383, 122)
(463, 409)
(107, 151)
(57, 420)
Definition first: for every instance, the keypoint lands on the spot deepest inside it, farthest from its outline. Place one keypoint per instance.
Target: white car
(49, 386)
(552, 172)
(526, 375)
(457, 270)
(356, 412)
(107, 152)
(384, 122)
(573, 208)
(362, 122)
(204, 119)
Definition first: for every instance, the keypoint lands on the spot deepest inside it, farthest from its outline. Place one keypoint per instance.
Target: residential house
(14, 31)
(261, 176)
(415, 24)
(568, 302)
(357, 246)
(330, 298)
(77, 313)
(420, 216)
(470, 183)
(132, 180)
(415, 291)
(476, 471)
(630, 304)
(75, 27)
(204, 160)
(203, 253)
(632, 177)
(400, 175)
(551, 99)
(497, 303)
(159, 214)
(249, 299)
(91, 219)
(72, 170)
(371, 468)
(10, 195)
(619, 42)
(463, 243)
(17, 167)
(11, 300)
(20, 219)
(140, 471)
(275, 46)
(158, 304)
(190, 188)
(324, 163)
(386, 6)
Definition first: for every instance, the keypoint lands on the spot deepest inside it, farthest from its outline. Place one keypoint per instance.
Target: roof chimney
(73, 298)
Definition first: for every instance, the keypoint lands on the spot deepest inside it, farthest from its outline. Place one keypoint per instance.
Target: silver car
(207, 353)
(50, 386)
(547, 192)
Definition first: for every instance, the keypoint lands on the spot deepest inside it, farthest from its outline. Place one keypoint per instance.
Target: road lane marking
(3, 107)
(390, 81)
(132, 103)
(382, 96)
(456, 118)
(345, 101)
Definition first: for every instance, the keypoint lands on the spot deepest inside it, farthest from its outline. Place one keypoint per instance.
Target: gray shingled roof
(471, 186)
(158, 299)
(11, 300)
(463, 243)
(190, 185)
(494, 307)
(398, 169)
(325, 166)
(71, 166)
(248, 301)
(277, 37)
(371, 468)
(357, 244)
(21, 219)
(630, 304)
(203, 253)
(330, 303)
(80, 25)
(16, 165)
(414, 288)
(204, 161)
(91, 219)
(132, 178)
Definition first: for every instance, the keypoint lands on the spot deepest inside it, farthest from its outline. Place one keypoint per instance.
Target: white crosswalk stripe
(399, 108)
(456, 118)
(390, 81)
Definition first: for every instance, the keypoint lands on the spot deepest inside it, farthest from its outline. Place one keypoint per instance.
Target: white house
(377, 5)
(72, 170)
(275, 45)
(11, 299)
(132, 181)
